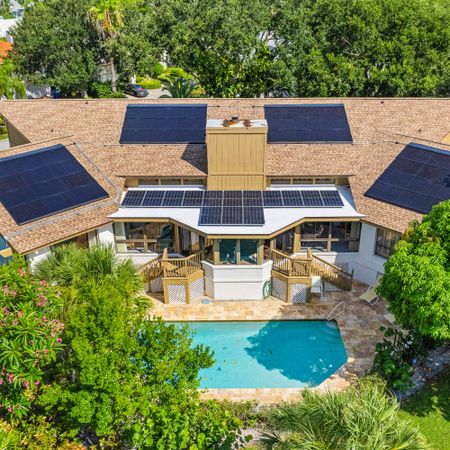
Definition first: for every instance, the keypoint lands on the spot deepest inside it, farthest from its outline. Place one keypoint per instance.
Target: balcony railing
(145, 245)
(181, 267)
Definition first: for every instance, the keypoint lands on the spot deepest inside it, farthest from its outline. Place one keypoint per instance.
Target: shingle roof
(381, 127)
(28, 237)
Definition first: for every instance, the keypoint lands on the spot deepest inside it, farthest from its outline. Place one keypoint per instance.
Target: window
(386, 240)
(228, 251)
(249, 251)
(330, 236)
(303, 181)
(194, 181)
(285, 242)
(143, 237)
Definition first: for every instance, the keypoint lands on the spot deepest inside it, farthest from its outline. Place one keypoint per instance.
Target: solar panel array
(267, 199)
(231, 207)
(40, 183)
(307, 123)
(417, 179)
(164, 124)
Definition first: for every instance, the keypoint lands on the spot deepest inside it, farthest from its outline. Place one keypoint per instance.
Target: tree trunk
(113, 75)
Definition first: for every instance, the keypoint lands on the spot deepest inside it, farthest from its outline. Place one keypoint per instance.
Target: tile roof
(381, 127)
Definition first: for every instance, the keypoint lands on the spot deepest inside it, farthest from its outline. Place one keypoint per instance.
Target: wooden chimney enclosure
(236, 155)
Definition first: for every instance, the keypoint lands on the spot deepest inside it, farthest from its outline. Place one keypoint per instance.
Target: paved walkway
(359, 327)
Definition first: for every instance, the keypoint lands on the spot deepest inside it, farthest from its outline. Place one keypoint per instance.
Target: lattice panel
(279, 289)
(299, 293)
(157, 285)
(176, 293)
(197, 289)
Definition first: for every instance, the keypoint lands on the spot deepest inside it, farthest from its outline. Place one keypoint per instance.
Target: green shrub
(393, 358)
(98, 89)
(148, 83)
(29, 337)
(157, 70)
(170, 73)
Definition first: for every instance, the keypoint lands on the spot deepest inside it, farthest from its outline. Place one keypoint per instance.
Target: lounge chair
(371, 296)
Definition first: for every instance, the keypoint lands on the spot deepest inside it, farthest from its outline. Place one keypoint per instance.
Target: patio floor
(359, 326)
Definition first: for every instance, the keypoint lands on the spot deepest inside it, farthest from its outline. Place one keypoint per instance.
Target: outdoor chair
(371, 296)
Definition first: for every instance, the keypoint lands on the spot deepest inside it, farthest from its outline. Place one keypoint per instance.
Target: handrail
(332, 266)
(182, 267)
(291, 266)
(335, 311)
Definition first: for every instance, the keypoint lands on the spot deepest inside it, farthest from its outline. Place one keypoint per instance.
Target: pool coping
(359, 328)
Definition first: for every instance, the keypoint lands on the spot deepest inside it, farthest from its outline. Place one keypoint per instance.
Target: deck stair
(309, 265)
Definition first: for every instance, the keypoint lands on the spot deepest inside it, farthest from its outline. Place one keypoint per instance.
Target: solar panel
(213, 198)
(252, 198)
(307, 123)
(232, 198)
(43, 182)
(173, 198)
(210, 215)
(153, 198)
(331, 198)
(272, 199)
(417, 179)
(292, 198)
(164, 124)
(254, 216)
(133, 199)
(231, 216)
(312, 198)
(193, 199)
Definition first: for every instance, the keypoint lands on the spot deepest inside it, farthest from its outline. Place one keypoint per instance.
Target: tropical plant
(179, 88)
(361, 417)
(108, 18)
(30, 336)
(71, 267)
(416, 281)
(11, 86)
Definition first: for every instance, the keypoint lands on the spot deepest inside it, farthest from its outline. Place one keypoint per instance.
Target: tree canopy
(416, 281)
(241, 48)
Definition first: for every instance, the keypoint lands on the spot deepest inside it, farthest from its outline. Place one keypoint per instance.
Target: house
(6, 25)
(232, 198)
(16, 8)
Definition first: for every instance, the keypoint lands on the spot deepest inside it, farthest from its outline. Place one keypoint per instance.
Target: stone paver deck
(359, 326)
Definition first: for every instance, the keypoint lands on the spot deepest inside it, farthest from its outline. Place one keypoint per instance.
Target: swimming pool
(275, 354)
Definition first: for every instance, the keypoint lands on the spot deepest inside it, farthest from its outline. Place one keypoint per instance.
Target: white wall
(236, 282)
(106, 235)
(38, 255)
(368, 265)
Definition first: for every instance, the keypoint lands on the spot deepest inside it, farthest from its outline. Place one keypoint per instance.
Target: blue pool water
(275, 354)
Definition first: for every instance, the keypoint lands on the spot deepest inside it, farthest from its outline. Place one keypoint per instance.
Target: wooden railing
(151, 270)
(181, 267)
(331, 273)
(309, 265)
(291, 266)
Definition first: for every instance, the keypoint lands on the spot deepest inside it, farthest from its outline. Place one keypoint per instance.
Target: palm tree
(361, 418)
(179, 88)
(107, 16)
(71, 267)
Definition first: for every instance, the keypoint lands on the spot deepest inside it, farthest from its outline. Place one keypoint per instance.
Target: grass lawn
(429, 410)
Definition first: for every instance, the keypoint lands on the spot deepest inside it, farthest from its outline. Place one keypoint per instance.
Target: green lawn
(429, 409)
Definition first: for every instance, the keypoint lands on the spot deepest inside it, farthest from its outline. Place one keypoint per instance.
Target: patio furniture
(371, 296)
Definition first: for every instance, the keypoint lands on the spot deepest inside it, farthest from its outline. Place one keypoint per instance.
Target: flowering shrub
(29, 337)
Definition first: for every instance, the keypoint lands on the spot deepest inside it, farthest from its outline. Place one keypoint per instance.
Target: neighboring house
(293, 190)
(15, 8)
(6, 25)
